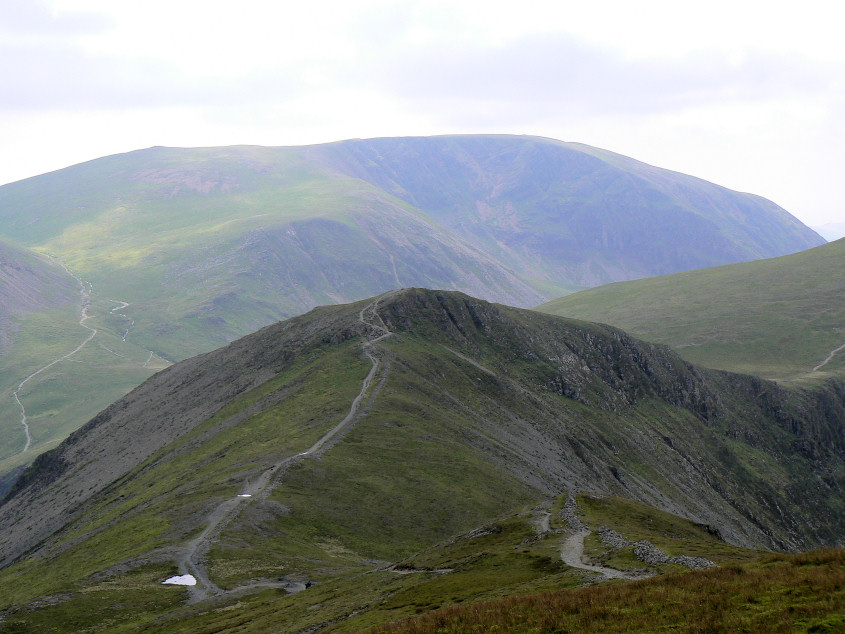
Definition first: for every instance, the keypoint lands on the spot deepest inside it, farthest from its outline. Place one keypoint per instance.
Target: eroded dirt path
(829, 357)
(194, 562)
(572, 551)
(572, 548)
(85, 301)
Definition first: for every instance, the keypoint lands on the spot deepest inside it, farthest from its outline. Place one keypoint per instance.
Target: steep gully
(193, 566)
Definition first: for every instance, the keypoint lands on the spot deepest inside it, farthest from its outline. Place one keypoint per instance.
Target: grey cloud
(59, 75)
(28, 18)
(525, 80)
(539, 73)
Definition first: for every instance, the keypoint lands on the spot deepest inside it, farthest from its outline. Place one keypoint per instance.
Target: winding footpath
(85, 294)
(573, 550)
(192, 566)
(829, 357)
(85, 290)
(129, 319)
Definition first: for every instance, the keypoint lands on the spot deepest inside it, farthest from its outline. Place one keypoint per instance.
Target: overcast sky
(750, 95)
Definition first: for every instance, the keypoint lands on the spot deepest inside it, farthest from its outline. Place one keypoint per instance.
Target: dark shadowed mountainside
(568, 213)
(29, 284)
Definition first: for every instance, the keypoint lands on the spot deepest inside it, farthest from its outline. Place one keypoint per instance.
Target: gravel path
(193, 561)
(572, 551)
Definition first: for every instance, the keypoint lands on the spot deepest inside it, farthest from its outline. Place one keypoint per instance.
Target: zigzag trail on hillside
(829, 357)
(193, 561)
(85, 294)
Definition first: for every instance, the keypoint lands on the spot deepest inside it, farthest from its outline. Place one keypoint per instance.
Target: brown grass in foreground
(778, 593)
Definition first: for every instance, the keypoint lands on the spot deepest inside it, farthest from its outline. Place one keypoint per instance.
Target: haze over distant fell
(216, 242)
(184, 250)
(568, 213)
(831, 230)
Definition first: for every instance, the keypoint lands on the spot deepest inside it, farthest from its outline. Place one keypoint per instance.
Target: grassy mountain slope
(28, 284)
(32, 291)
(206, 245)
(210, 244)
(473, 413)
(568, 213)
(777, 318)
(49, 366)
(515, 553)
(778, 593)
(40, 310)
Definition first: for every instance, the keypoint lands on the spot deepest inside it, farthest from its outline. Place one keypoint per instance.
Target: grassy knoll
(776, 318)
(673, 535)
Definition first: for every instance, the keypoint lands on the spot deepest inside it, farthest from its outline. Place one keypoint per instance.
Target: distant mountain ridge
(216, 242)
(568, 212)
(205, 245)
(781, 318)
